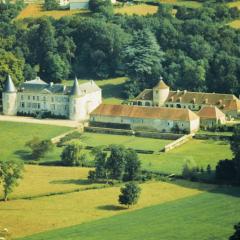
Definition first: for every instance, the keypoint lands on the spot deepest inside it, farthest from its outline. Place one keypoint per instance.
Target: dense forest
(193, 49)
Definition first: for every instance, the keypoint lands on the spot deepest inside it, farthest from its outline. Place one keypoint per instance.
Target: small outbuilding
(160, 119)
(211, 116)
(78, 4)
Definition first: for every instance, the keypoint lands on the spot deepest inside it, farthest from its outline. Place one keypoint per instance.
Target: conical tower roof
(161, 84)
(9, 86)
(75, 88)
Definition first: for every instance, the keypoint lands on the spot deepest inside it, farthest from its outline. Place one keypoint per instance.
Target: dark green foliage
(142, 59)
(226, 171)
(101, 6)
(236, 235)
(132, 166)
(130, 194)
(121, 164)
(10, 172)
(72, 154)
(39, 147)
(116, 162)
(51, 5)
(235, 147)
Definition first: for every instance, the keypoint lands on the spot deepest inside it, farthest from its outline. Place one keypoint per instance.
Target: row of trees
(121, 164)
(193, 50)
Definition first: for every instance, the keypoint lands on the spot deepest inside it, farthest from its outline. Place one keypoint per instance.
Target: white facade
(36, 96)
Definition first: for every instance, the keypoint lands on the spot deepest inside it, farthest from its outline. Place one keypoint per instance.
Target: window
(37, 98)
(38, 105)
(52, 99)
(178, 105)
(33, 97)
(22, 97)
(28, 97)
(22, 105)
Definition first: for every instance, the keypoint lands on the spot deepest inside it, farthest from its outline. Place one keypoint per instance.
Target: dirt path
(56, 122)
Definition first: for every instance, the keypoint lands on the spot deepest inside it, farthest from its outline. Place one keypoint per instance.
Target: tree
(100, 163)
(142, 60)
(130, 194)
(72, 154)
(51, 4)
(236, 235)
(235, 147)
(116, 161)
(226, 171)
(100, 6)
(39, 147)
(132, 166)
(10, 65)
(10, 173)
(189, 169)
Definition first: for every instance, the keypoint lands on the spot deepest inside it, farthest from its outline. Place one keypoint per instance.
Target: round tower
(9, 98)
(160, 93)
(76, 108)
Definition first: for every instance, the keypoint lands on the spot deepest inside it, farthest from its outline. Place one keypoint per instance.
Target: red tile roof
(210, 112)
(145, 112)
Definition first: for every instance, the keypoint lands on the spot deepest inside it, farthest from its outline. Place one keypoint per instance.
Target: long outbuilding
(148, 118)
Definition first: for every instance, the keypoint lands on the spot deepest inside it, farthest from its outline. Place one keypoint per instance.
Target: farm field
(14, 136)
(189, 4)
(209, 215)
(141, 9)
(112, 89)
(42, 180)
(96, 139)
(26, 217)
(203, 152)
(35, 10)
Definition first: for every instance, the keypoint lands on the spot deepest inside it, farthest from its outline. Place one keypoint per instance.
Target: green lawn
(13, 137)
(203, 152)
(210, 215)
(112, 89)
(95, 139)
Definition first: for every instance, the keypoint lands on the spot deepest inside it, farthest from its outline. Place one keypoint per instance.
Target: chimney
(51, 84)
(185, 91)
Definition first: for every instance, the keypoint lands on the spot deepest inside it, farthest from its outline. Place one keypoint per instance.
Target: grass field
(25, 217)
(14, 136)
(203, 152)
(94, 139)
(141, 9)
(42, 180)
(210, 215)
(112, 89)
(35, 10)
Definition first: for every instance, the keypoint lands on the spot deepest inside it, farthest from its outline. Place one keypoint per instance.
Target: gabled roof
(210, 112)
(174, 114)
(9, 86)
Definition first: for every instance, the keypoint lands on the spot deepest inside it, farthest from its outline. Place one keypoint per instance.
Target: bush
(69, 137)
(226, 171)
(190, 170)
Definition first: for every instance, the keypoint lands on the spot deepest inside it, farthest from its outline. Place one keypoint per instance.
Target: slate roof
(145, 112)
(37, 85)
(210, 112)
(9, 86)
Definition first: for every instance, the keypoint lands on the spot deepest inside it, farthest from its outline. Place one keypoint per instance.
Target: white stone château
(37, 96)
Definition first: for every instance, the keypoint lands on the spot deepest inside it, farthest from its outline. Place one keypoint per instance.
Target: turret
(160, 93)
(76, 110)
(9, 98)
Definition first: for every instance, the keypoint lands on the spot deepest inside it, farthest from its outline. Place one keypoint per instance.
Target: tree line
(195, 49)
